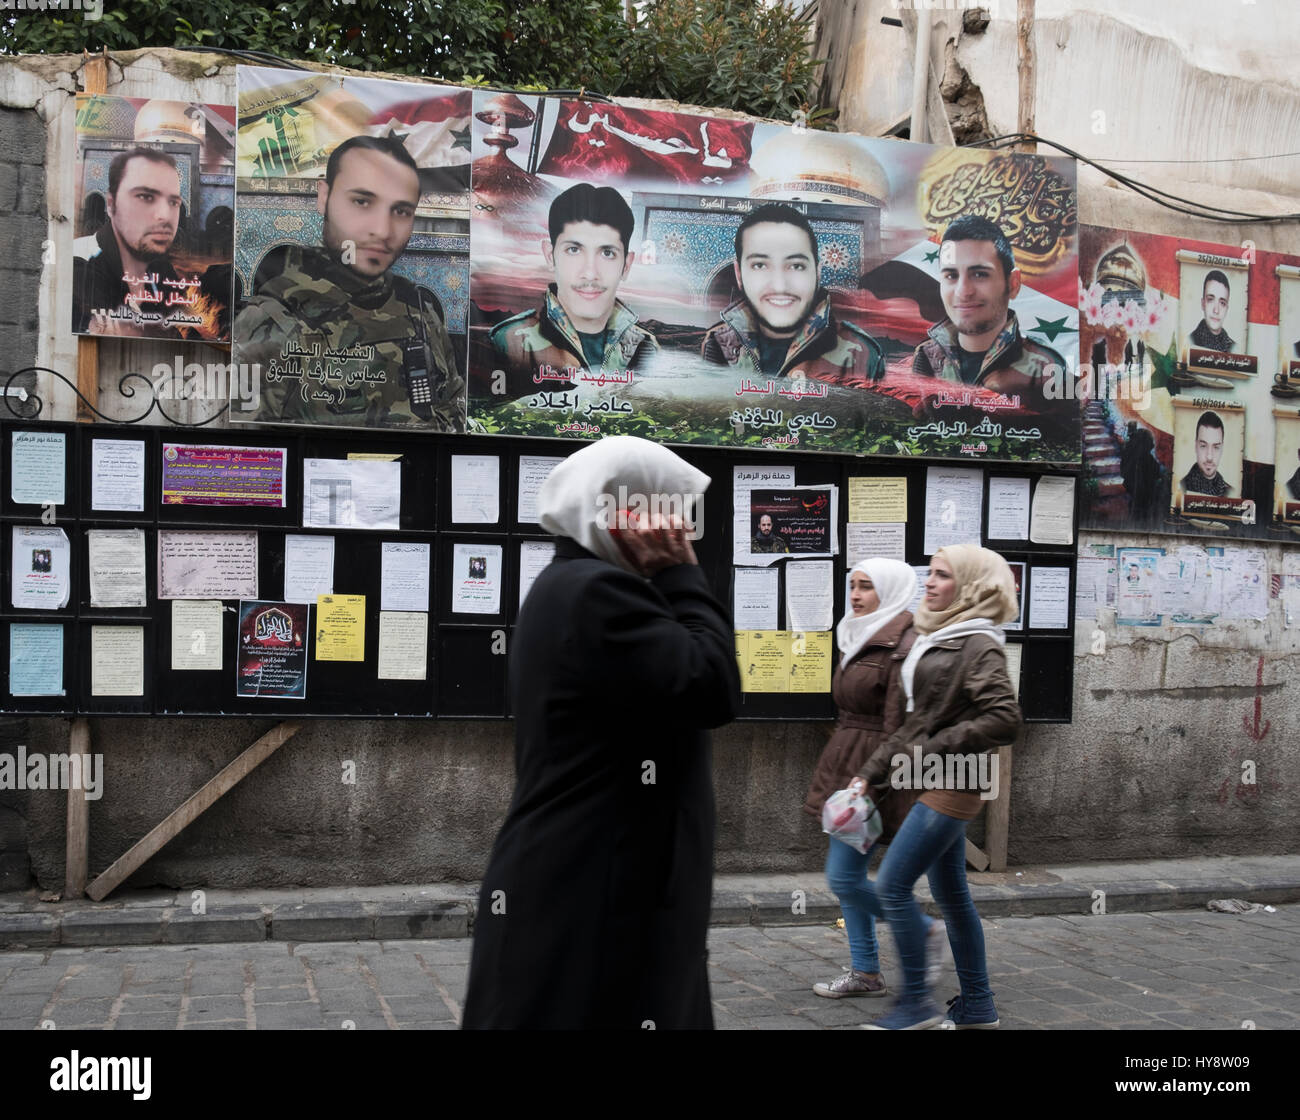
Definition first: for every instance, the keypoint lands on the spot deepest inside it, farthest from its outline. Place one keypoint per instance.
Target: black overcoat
(595, 904)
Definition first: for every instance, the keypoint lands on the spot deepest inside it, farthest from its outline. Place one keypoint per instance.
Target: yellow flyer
(341, 628)
(873, 500)
(742, 652)
(810, 661)
(766, 667)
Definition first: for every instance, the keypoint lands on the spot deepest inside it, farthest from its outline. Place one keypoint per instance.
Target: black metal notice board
(466, 653)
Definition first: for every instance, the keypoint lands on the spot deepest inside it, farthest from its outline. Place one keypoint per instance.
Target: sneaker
(963, 1020)
(851, 982)
(908, 1017)
(936, 942)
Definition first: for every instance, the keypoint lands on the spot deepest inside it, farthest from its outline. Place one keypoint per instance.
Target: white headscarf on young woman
(895, 584)
(582, 495)
(985, 598)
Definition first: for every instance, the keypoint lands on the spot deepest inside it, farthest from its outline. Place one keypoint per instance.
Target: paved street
(1187, 969)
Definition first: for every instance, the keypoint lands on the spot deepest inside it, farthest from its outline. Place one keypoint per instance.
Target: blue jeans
(846, 875)
(935, 844)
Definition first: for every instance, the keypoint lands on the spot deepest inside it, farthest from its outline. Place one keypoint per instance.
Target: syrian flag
(914, 275)
(435, 130)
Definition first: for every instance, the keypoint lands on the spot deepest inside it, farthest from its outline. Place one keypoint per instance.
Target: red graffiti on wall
(1253, 729)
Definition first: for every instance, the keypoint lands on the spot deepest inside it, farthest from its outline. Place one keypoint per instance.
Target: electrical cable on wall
(1191, 207)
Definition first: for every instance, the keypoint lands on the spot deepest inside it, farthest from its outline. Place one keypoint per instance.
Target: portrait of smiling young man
(1209, 334)
(581, 324)
(782, 325)
(980, 342)
(339, 337)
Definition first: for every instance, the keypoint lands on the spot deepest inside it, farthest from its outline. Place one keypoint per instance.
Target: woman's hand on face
(654, 543)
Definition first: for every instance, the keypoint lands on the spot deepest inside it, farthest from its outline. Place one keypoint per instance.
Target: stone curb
(146, 922)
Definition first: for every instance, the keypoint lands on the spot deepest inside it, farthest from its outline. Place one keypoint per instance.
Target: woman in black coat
(594, 908)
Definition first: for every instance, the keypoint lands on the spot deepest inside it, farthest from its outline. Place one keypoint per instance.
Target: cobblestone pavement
(1172, 970)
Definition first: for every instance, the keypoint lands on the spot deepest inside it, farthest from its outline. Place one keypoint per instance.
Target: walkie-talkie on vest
(415, 370)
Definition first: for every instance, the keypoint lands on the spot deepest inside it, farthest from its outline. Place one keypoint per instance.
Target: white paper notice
(476, 578)
(41, 563)
(953, 504)
(755, 599)
(1291, 590)
(1245, 583)
(475, 486)
(533, 557)
(207, 565)
(1008, 509)
(117, 474)
(533, 471)
(308, 568)
(351, 494)
(196, 634)
(884, 539)
(809, 596)
(37, 468)
(1052, 521)
(117, 565)
(1095, 587)
(1014, 653)
(1049, 598)
(404, 576)
(922, 574)
(1184, 587)
(403, 646)
(36, 659)
(1135, 599)
(745, 479)
(117, 660)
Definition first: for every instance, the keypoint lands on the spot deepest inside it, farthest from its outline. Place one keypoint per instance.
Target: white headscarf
(895, 584)
(582, 495)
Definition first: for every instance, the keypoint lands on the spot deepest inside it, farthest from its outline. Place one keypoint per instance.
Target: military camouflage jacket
(1013, 364)
(826, 349)
(774, 542)
(331, 346)
(545, 337)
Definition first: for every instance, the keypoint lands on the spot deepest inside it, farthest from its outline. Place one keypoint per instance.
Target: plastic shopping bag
(852, 819)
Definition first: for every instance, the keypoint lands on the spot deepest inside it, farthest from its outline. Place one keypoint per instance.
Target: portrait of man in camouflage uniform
(340, 339)
(783, 325)
(581, 324)
(980, 343)
(767, 539)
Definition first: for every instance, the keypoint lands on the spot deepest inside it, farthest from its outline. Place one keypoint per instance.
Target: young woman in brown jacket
(874, 637)
(960, 704)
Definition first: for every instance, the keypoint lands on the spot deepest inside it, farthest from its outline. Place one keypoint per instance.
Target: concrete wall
(23, 219)
(426, 804)
(1148, 768)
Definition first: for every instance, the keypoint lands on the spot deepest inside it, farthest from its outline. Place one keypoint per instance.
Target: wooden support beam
(94, 80)
(976, 857)
(192, 808)
(998, 820)
(1025, 72)
(77, 848)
